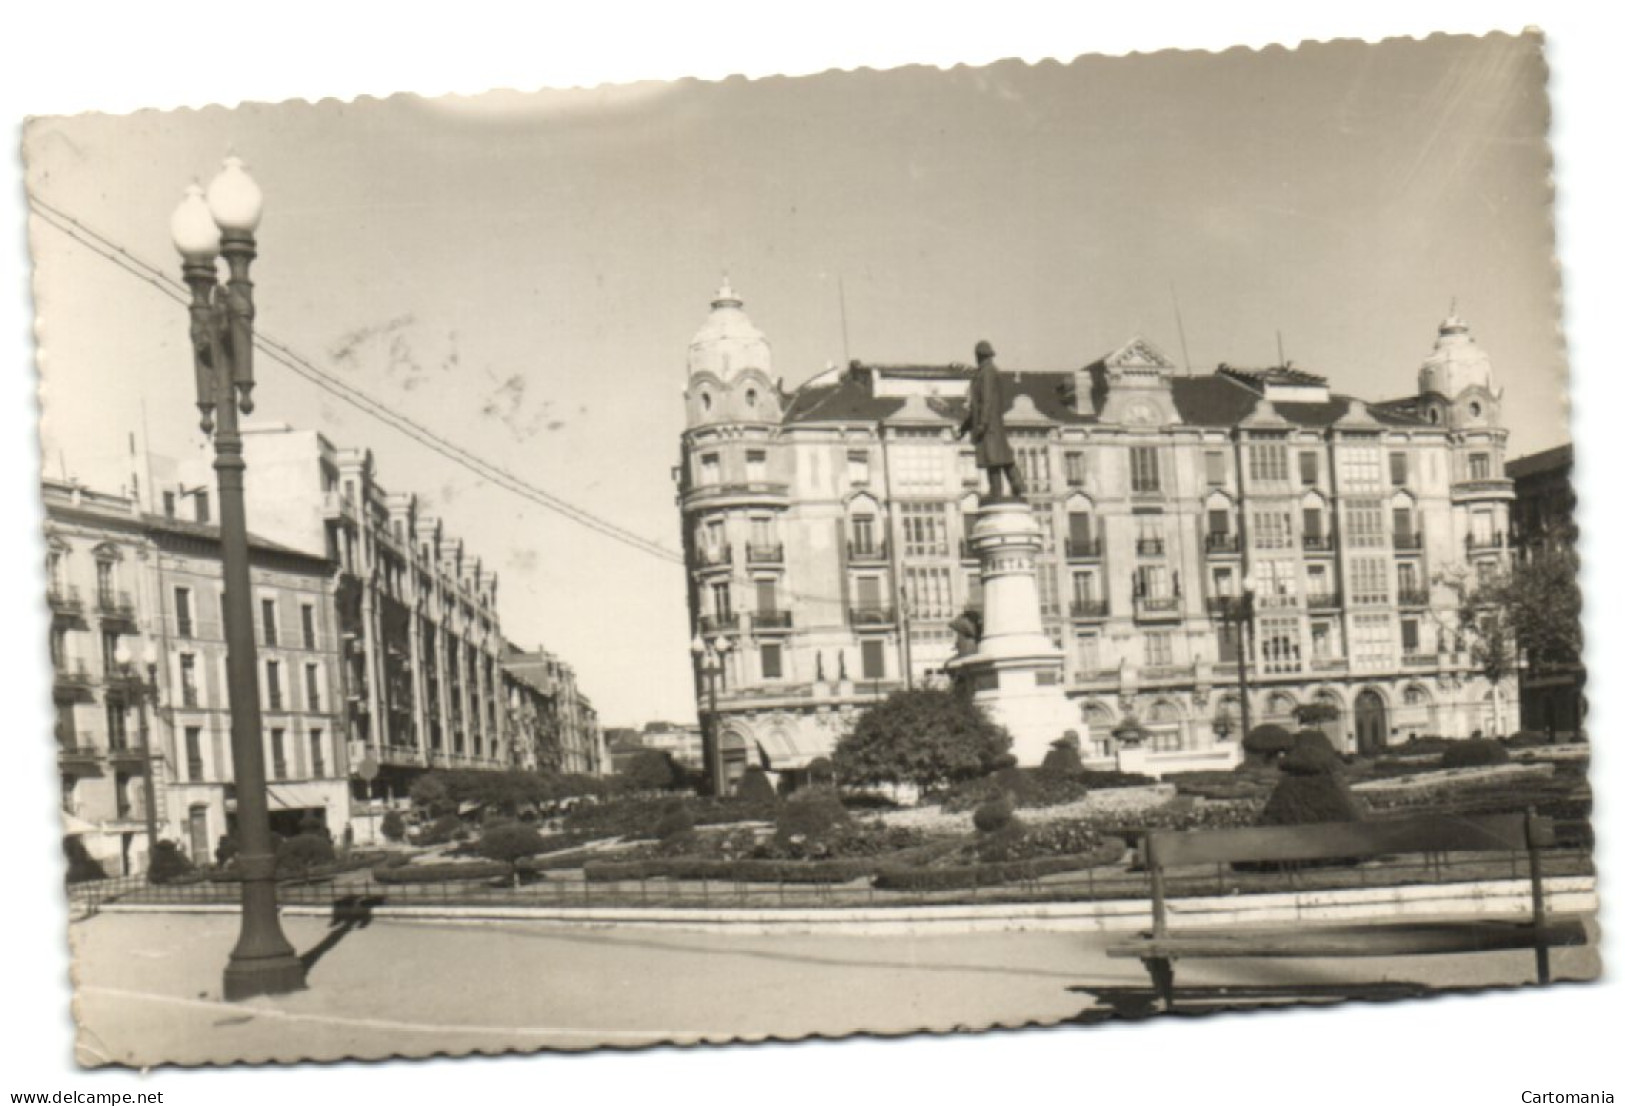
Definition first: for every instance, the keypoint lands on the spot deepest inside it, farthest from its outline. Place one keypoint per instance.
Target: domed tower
(1456, 383)
(730, 368)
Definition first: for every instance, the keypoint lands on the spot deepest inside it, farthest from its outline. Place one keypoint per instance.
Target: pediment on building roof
(1140, 354)
(1025, 412)
(1358, 416)
(1263, 414)
(916, 409)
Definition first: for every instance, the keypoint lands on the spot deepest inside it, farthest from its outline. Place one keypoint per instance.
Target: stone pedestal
(1015, 672)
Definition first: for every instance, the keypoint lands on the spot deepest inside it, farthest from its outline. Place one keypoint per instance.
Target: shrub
(445, 828)
(296, 855)
(650, 770)
(167, 863)
(442, 873)
(1307, 800)
(1062, 760)
(310, 823)
(1475, 752)
(927, 736)
(991, 875)
(393, 826)
(755, 787)
(509, 841)
(676, 821)
(1312, 754)
(809, 816)
(1310, 715)
(994, 815)
(1267, 742)
(225, 850)
(821, 772)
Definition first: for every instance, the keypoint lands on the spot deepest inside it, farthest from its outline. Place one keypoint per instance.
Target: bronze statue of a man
(984, 421)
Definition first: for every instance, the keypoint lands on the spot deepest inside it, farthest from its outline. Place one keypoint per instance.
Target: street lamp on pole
(147, 694)
(708, 655)
(205, 226)
(1238, 615)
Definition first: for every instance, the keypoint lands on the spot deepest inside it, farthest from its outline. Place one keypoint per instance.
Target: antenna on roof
(846, 350)
(1179, 321)
(1280, 350)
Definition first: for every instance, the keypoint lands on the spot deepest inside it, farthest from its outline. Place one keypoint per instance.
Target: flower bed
(1448, 779)
(445, 872)
(959, 877)
(1034, 787)
(639, 817)
(317, 872)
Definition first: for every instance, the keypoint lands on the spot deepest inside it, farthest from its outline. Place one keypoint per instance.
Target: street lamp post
(223, 222)
(708, 655)
(1238, 614)
(147, 692)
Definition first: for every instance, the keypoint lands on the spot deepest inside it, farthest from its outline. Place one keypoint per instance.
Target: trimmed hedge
(443, 873)
(734, 871)
(1475, 752)
(991, 875)
(994, 815)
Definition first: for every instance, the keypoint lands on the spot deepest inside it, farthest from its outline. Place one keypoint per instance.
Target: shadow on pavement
(349, 913)
(1136, 1003)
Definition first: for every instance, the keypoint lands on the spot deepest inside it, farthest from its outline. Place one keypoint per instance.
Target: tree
(650, 770)
(929, 737)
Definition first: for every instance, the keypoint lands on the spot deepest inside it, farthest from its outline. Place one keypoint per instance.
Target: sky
(523, 272)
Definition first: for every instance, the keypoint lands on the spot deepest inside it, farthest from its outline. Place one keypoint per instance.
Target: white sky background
(523, 272)
(1419, 192)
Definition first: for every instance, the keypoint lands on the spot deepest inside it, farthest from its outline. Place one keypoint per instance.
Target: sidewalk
(149, 985)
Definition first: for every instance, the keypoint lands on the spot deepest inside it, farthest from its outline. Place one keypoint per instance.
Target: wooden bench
(1434, 834)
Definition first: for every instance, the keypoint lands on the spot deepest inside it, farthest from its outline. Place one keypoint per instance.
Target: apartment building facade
(825, 534)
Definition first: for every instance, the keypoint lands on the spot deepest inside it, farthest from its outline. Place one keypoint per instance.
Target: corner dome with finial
(1456, 363)
(728, 343)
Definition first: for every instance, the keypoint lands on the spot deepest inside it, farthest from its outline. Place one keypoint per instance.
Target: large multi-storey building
(544, 691)
(138, 650)
(1551, 688)
(825, 534)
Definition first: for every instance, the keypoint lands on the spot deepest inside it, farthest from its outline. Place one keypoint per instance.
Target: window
(1143, 475)
(969, 474)
(1148, 535)
(1267, 463)
(1272, 529)
(1218, 521)
(1308, 468)
(764, 535)
(194, 754)
(1399, 468)
(183, 612)
(1213, 461)
(1368, 580)
(1410, 636)
(307, 624)
(1363, 524)
(1359, 467)
(169, 504)
(201, 498)
(919, 465)
(1224, 581)
(279, 755)
(710, 469)
(925, 529)
(1314, 525)
(863, 534)
(721, 602)
(188, 680)
(1478, 466)
(756, 466)
(1320, 581)
(268, 620)
(1276, 582)
(273, 684)
(1322, 645)
(1159, 649)
(1049, 592)
(1075, 470)
(869, 592)
(857, 466)
(1089, 652)
(59, 648)
(1408, 582)
(1278, 645)
(1034, 464)
(318, 759)
(1152, 582)
(1229, 642)
(1483, 528)
(1078, 530)
(772, 662)
(106, 591)
(1402, 524)
(929, 589)
(313, 688)
(1373, 643)
(874, 659)
(1085, 587)
(110, 663)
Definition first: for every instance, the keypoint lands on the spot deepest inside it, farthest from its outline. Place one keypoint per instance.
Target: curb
(1564, 895)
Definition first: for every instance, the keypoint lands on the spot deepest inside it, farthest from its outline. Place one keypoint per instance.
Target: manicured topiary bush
(1312, 790)
(1312, 754)
(299, 854)
(1063, 760)
(755, 787)
(809, 816)
(168, 863)
(1266, 743)
(509, 841)
(994, 815)
(1475, 752)
(393, 826)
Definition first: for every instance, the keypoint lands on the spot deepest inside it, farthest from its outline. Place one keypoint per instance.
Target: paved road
(149, 986)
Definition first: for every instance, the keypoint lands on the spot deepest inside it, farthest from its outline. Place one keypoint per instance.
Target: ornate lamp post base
(272, 975)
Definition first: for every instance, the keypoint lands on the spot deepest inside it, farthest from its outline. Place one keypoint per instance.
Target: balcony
(1156, 608)
(871, 617)
(718, 623)
(337, 506)
(1329, 664)
(1486, 543)
(764, 554)
(1222, 543)
(1083, 549)
(866, 552)
(72, 750)
(1324, 601)
(742, 493)
(65, 600)
(1418, 660)
(1090, 608)
(115, 606)
(1408, 542)
(771, 621)
(1150, 547)
(1221, 606)
(1319, 543)
(713, 556)
(73, 676)
(1413, 597)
